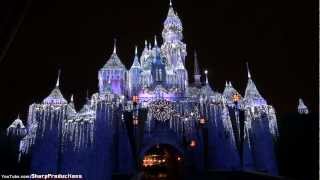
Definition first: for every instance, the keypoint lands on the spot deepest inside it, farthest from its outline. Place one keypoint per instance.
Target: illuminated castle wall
(151, 103)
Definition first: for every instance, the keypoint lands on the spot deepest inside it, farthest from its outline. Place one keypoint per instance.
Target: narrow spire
(136, 50)
(206, 73)
(249, 75)
(18, 117)
(145, 43)
(114, 46)
(196, 64)
(71, 98)
(226, 84)
(170, 3)
(58, 79)
(155, 41)
(230, 85)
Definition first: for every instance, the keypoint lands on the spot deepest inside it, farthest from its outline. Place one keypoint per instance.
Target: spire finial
(230, 85)
(18, 117)
(114, 45)
(58, 79)
(71, 98)
(155, 40)
(227, 84)
(249, 75)
(170, 3)
(206, 73)
(145, 43)
(136, 50)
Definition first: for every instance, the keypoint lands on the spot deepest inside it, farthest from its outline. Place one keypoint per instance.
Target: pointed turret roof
(17, 128)
(17, 123)
(55, 97)
(114, 61)
(136, 63)
(252, 96)
(172, 21)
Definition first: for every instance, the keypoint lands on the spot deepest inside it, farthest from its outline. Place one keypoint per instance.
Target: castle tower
(49, 117)
(135, 76)
(158, 70)
(261, 126)
(113, 74)
(182, 76)
(173, 48)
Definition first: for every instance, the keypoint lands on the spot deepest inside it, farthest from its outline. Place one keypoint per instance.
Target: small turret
(302, 108)
(17, 128)
(135, 63)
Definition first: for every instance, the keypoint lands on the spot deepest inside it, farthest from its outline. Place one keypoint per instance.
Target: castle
(152, 103)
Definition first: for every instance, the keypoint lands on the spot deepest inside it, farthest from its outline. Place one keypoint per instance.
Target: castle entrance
(162, 161)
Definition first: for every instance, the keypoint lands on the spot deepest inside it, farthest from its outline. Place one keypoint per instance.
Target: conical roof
(252, 96)
(17, 128)
(114, 61)
(172, 21)
(55, 97)
(252, 91)
(17, 123)
(136, 63)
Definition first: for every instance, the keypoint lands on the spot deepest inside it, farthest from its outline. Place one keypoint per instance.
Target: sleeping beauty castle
(150, 105)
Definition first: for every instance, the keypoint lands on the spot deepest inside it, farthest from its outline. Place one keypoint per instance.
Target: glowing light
(193, 144)
(236, 97)
(179, 158)
(202, 120)
(135, 99)
(135, 121)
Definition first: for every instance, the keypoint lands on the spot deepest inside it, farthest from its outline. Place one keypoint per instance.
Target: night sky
(277, 38)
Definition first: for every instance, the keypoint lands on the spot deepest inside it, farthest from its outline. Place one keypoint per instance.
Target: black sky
(277, 38)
